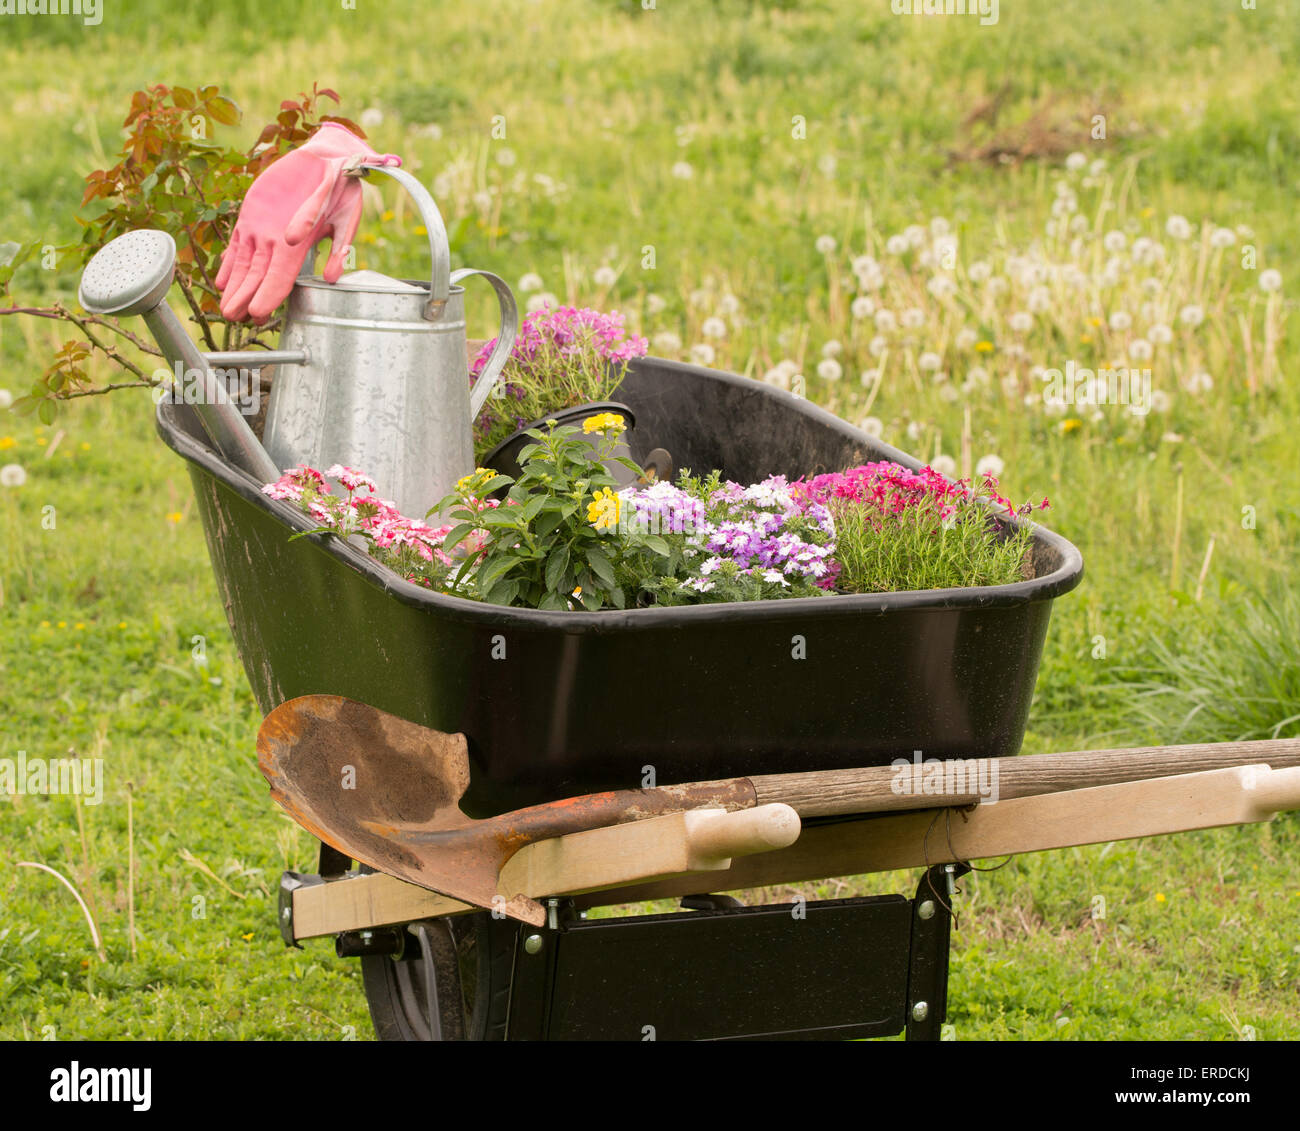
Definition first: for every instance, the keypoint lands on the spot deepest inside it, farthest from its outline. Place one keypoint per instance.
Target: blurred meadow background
(910, 220)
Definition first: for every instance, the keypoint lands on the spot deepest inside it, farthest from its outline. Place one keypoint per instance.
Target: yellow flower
(175, 516)
(63, 624)
(604, 422)
(388, 215)
(1071, 424)
(45, 624)
(1160, 897)
(1085, 337)
(476, 478)
(78, 626)
(248, 937)
(1094, 321)
(603, 513)
(42, 441)
(7, 442)
(121, 624)
(420, 230)
(984, 346)
(1147, 213)
(84, 446)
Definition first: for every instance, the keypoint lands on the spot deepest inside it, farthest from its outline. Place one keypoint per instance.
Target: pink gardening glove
(296, 202)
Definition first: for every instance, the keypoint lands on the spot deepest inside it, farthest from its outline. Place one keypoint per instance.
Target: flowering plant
(405, 545)
(905, 530)
(550, 545)
(734, 542)
(560, 358)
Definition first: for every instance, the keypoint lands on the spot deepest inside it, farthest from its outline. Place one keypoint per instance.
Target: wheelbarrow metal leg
(927, 981)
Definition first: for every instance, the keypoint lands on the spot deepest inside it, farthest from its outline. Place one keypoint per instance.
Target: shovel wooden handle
(836, 792)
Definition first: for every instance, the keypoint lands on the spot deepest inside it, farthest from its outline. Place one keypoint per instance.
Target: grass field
(756, 154)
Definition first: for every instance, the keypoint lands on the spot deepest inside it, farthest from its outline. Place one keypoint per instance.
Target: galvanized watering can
(384, 386)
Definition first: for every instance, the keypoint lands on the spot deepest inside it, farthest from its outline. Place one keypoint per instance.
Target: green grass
(797, 121)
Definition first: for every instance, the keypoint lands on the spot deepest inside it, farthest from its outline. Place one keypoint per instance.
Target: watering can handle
(505, 339)
(439, 247)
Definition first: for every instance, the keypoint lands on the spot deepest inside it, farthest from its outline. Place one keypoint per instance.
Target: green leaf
(601, 567)
(657, 544)
(493, 484)
(556, 564)
(531, 508)
(502, 516)
(547, 523)
(455, 535)
(553, 602)
(224, 110)
(47, 411)
(493, 569)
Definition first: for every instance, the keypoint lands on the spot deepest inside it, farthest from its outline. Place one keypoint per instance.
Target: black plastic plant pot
(504, 458)
(561, 703)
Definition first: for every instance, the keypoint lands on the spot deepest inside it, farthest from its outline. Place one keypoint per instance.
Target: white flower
(1270, 280)
(683, 171)
(832, 348)
(915, 235)
(654, 304)
(1121, 321)
(948, 393)
(979, 271)
(1178, 227)
(702, 353)
(989, 465)
(698, 297)
(864, 306)
(896, 245)
(1065, 206)
(482, 201)
(506, 156)
(828, 369)
(1039, 300)
(541, 301)
(913, 318)
(1097, 167)
(825, 245)
(1161, 334)
(926, 258)
(1144, 250)
(1160, 400)
(667, 342)
(827, 163)
(864, 265)
(371, 117)
(929, 361)
(944, 465)
(966, 338)
(1191, 315)
(429, 130)
(1150, 285)
(1078, 225)
(6, 399)
(977, 375)
(939, 227)
(877, 346)
(885, 321)
(604, 277)
(941, 286)
(530, 282)
(713, 328)
(1021, 322)
(1075, 161)
(729, 305)
(11, 475)
(1223, 237)
(869, 377)
(997, 285)
(1139, 349)
(1200, 382)
(1114, 241)
(872, 425)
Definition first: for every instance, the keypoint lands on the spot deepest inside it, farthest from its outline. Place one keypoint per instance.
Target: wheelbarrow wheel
(452, 982)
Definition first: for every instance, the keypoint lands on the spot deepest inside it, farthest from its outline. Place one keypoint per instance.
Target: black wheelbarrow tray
(556, 705)
(560, 704)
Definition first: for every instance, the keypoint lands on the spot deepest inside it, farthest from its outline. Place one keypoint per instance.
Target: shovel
(386, 792)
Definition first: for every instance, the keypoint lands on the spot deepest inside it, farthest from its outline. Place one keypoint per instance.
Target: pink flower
(352, 479)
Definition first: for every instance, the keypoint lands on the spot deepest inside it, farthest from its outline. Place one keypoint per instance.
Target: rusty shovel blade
(386, 792)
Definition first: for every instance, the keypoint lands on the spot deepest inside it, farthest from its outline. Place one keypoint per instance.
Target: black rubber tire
(472, 958)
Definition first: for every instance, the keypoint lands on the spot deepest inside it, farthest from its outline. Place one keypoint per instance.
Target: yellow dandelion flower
(121, 624)
(387, 215)
(79, 626)
(45, 624)
(1071, 424)
(420, 230)
(1094, 321)
(42, 441)
(84, 446)
(604, 422)
(984, 346)
(62, 624)
(1085, 337)
(248, 937)
(604, 512)
(175, 516)
(1160, 897)
(7, 442)
(1147, 213)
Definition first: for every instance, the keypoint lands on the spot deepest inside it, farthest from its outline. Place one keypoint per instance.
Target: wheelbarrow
(791, 724)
